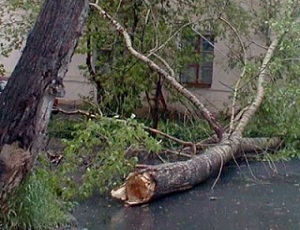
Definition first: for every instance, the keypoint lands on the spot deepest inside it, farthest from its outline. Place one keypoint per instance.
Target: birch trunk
(154, 181)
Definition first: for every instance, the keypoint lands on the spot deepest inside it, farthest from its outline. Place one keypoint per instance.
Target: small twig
(160, 158)
(178, 153)
(237, 85)
(219, 174)
(259, 45)
(210, 141)
(141, 166)
(166, 64)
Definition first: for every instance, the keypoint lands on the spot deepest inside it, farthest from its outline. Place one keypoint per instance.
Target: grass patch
(34, 205)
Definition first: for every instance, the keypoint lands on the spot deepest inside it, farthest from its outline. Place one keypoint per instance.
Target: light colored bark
(145, 185)
(152, 182)
(251, 110)
(207, 115)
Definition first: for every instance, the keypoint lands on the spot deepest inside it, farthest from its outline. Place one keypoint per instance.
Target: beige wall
(75, 84)
(217, 97)
(214, 98)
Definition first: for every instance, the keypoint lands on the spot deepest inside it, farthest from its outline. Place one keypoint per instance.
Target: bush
(62, 126)
(96, 156)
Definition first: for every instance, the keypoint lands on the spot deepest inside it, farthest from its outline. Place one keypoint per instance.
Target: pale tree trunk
(151, 182)
(27, 100)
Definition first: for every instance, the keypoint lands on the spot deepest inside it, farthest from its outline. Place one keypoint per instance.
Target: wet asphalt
(255, 196)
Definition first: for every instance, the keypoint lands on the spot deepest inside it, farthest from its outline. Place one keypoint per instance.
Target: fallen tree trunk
(152, 182)
(250, 145)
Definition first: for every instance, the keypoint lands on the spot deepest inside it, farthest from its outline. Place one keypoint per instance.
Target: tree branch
(237, 85)
(248, 114)
(207, 115)
(76, 112)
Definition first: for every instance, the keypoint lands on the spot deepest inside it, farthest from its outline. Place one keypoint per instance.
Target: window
(197, 71)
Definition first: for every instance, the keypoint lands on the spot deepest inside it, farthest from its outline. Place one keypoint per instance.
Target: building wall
(215, 98)
(76, 84)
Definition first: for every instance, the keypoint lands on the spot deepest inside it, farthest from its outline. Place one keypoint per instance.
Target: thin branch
(76, 112)
(184, 143)
(154, 50)
(253, 107)
(209, 42)
(219, 173)
(169, 151)
(259, 45)
(160, 158)
(166, 64)
(237, 85)
(169, 79)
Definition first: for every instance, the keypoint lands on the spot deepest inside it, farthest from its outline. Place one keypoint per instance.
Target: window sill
(197, 85)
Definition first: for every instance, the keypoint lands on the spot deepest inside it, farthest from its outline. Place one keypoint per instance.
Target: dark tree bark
(27, 100)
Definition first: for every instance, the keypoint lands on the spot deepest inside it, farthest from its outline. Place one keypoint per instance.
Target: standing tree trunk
(27, 100)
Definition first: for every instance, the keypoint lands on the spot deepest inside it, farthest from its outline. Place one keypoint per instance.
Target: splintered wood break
(14, 161)
(138, 188)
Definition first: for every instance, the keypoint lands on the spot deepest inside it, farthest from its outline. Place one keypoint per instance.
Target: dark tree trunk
(27, 100)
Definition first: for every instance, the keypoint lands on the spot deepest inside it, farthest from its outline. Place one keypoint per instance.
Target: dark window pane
(189, 75)
(206, 46)
(198, 71)
(206, 59)
(206, 74)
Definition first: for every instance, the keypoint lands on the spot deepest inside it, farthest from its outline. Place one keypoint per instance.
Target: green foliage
(34, 205)
(119, 77)
(16, 19)
(96, 156)
(188, 130)
(279, 116)
(155, 28)
(63, 127)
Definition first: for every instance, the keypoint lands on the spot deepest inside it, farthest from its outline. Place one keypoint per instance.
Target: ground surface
(246, 197)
